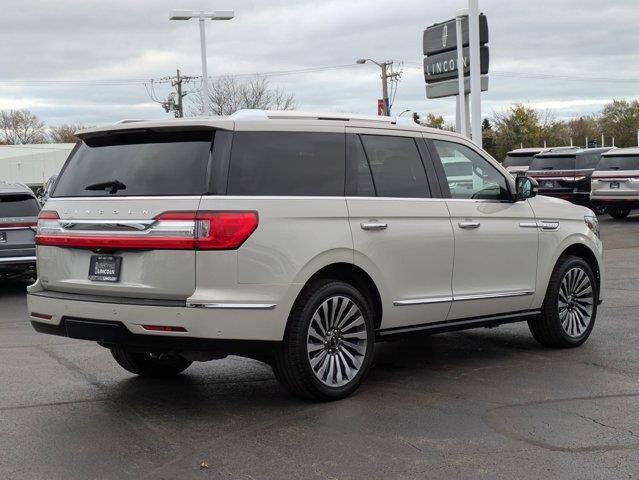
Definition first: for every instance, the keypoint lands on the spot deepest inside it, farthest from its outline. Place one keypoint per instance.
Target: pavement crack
(620, 429)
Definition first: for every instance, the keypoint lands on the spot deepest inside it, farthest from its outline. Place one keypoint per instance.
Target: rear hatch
(122, 217)
(554, 172)
(616, 175)
(18, 216)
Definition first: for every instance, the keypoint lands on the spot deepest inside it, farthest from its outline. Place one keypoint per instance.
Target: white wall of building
(32, 164)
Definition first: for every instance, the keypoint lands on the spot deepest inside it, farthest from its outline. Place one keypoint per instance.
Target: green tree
(434, 121)
(620, 119)
(518, 125)
(586, 126)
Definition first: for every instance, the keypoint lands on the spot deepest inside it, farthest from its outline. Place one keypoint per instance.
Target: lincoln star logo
(444, 36)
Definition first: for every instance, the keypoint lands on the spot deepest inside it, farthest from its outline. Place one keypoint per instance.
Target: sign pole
(461, 101)
(475, 85)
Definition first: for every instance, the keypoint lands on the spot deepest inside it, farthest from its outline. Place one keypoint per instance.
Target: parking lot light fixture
(202, 16)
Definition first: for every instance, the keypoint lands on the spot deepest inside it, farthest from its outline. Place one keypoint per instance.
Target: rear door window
(620, 162)
(287, 163)
(149, 163)
(18, 206)
(396, 166)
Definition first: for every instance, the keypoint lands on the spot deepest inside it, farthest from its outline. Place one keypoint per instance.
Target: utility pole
(175, 101)
(179, 107)
(386, 77)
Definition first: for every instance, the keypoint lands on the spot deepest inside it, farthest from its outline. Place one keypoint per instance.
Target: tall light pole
(384, 66)
(202, 16)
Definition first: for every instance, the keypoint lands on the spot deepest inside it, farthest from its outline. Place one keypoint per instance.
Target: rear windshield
(625, 162)
(553, 163)
(517, 160)
(138, 163)
(18, 206)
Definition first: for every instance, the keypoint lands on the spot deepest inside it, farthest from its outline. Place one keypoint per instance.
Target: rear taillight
(17, 225)
(203, 230)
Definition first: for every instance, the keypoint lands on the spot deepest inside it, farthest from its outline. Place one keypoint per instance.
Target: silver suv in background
(19, 210)
(615, 182)
(300, 239)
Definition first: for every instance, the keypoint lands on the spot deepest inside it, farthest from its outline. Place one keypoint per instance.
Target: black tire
(599, 209)
(618, 212)
(547, 329)
(147, 364)
(292, 365)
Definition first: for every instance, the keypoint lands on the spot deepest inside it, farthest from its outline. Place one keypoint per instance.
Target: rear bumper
(112, 334)
(629, 201)
(252, 322)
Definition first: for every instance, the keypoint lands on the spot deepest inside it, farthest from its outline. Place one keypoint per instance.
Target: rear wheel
(599, 209)
(148, 364)
(618, 212)
(328, 345)
(570, 307)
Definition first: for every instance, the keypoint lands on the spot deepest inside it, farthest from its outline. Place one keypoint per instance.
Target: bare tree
(228, 95)
(64, 133)
(21, 126)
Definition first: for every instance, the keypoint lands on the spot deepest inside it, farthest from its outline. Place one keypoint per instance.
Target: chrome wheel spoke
(575, 302)
(337, 341)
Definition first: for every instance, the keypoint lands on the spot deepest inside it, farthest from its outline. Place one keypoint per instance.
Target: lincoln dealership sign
(443, 66)
(441, 60)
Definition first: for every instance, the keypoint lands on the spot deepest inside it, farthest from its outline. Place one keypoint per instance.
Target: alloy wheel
(576, 299)
(337, 341)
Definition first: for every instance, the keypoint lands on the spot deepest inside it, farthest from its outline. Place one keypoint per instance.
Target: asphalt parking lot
(477, 404)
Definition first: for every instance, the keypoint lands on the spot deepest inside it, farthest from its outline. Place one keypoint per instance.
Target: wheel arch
(582, 251)
(354, 275)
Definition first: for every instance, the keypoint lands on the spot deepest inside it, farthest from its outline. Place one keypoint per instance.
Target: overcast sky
(591, 44)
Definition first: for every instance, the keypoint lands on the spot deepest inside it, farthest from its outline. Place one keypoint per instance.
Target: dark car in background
(518, 161)
(566, 173)
(615, 182)
(19, 210)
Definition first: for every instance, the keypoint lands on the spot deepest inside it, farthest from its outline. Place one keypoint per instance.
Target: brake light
(18, 225)
(163, 328)
(202, 230)
(48, 215)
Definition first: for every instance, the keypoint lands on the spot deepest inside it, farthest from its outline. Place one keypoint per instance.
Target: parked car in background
(566, 173)
(300, 239)
(615, 182)
(517, 161)
(18, 219)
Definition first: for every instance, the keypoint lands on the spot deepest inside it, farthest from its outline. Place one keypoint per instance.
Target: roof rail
(297, 115)
(129, 120)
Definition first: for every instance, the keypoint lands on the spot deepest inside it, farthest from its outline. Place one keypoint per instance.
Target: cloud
(118, 39)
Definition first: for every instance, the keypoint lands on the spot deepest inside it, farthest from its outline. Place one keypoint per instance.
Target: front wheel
(328, 345)
(570, 307)
(618, 212)
(149, 364)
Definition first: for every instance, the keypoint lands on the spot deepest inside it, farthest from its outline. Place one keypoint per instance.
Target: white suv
(615, 182)
(300, 240)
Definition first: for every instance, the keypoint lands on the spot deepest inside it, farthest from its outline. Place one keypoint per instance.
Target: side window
(287, 163)
(396, 166)
(359, 181)
(469, 175)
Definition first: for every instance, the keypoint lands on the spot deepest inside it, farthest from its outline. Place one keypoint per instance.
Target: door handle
(466, 225)
(373, 225)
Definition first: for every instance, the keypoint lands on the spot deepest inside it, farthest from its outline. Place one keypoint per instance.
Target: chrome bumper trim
(245, 306)
(17, 259)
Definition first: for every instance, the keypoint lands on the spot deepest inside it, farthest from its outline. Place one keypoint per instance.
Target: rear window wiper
(113, 186)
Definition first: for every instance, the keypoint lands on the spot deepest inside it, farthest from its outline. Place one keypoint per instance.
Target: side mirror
(526, 187)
